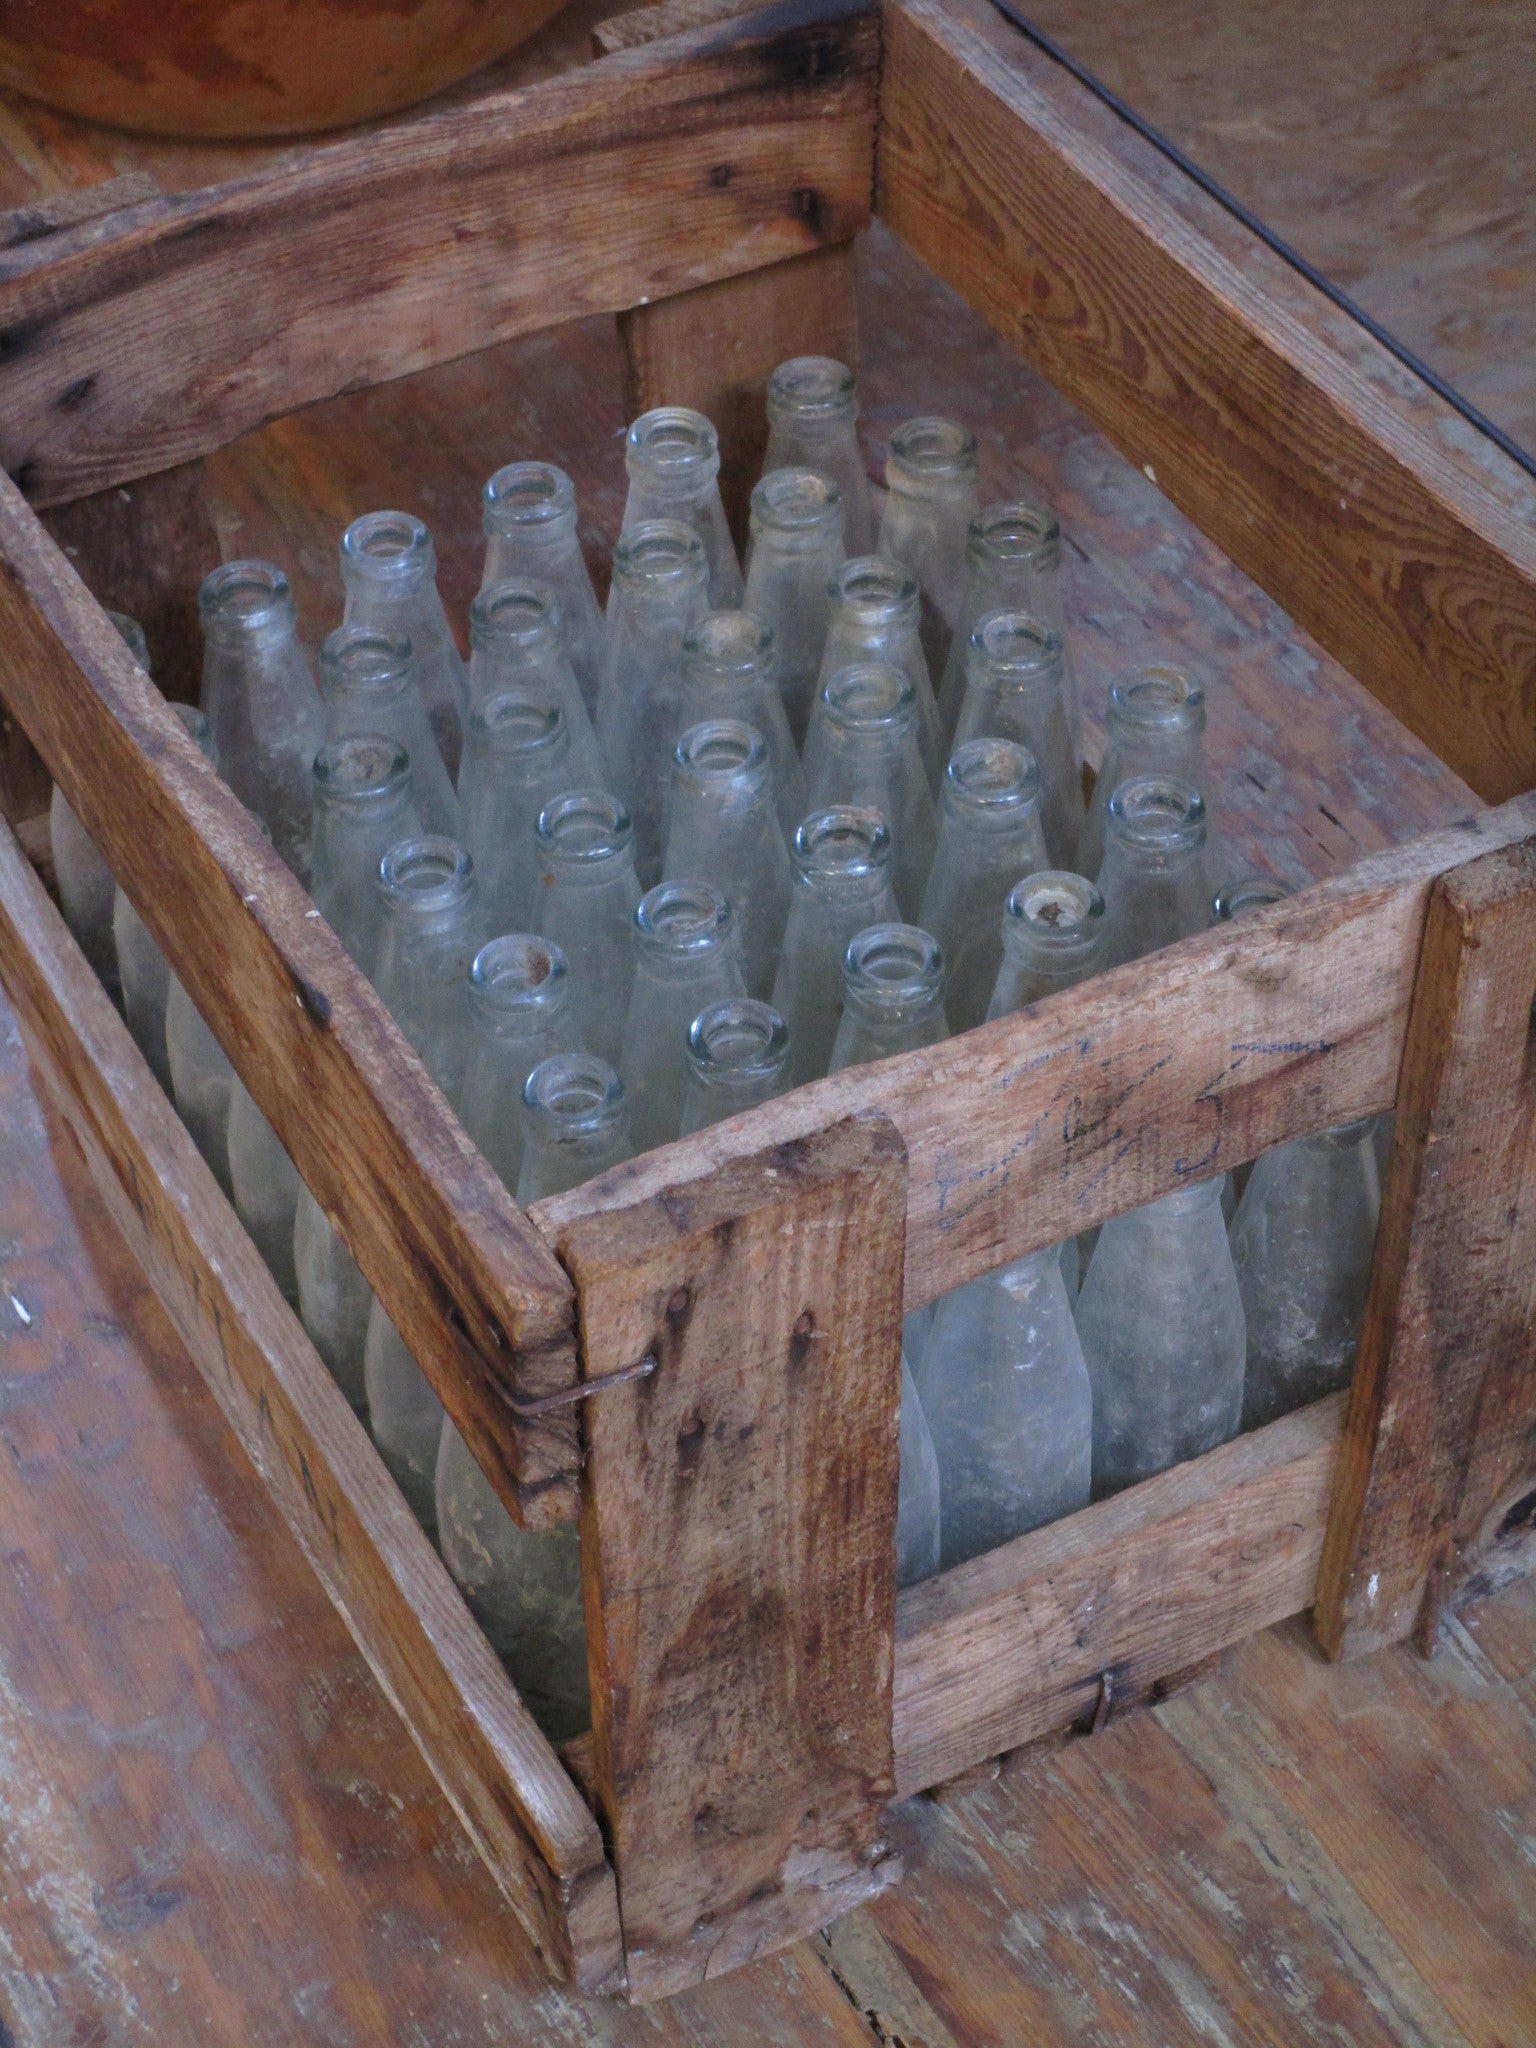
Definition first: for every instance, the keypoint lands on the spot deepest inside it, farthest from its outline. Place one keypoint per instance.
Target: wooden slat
(649, 173)
(1316, 478)
(1440, 1454)
(669, 18)
(475, 1293)
(1019, 1642)
(1043, 1124)
(737, 1553)
(521, 1810)
(24, 227)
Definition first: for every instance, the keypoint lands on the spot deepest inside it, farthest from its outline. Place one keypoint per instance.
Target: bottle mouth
(869, 699)
(875, 591)
(812, 387)
(673, 444)
(393, 547)
(527, 495)
(360, 768)
(1249, 893)
(518, 974)
(726, 646)
(844, 842)
(518, 613)
(722, 751)
(930, 454)
(197, 726)
(366, 658)
(583, 827)
(238, 597)
(131, 633)
(797, 502)
(682, 921)
(1013, 649)
(509, 724)
(1056, 908)
(1015, 532)
(993, 782)
(1158, 698)
(425, 875)
(891, 965)
(574, 1094)
(1158, 814)
(659, 555)
(738, 1039)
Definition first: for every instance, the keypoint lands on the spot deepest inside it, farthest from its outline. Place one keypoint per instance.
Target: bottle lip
(673, 444)
(584, 827)
(573, 1095)
(517, 613)
(423, 876)
(387, 547)
(1018, 530)
(660, 556)
(1010, 648)
(873, 590)
(1055, 907)
(360, 768)
(131, 633)
(519, 975)
(812, 387)
(1157, 814)
(1248, 893)
(726, 647)
(682, 920)
(718, 753)
(510, 724)
(931, 455)
(738, 1039)
(869, 699)
(888, 966)
(367, 658)
(1157, 697)
(801, 502)
(843, 842)
(242, 597)
(197, 726)
(527, 495)
(992, 781)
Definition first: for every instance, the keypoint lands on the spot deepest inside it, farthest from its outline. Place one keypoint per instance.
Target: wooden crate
(760, 1691)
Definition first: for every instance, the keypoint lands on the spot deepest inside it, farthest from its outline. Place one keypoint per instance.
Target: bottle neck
(1054, 927)
(893, 978)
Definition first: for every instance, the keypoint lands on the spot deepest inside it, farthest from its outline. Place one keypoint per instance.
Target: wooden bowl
(250, 67)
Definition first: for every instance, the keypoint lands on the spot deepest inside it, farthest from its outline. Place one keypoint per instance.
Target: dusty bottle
(517, 759)
(389, 572)
(797, 548)
(368, 683)
(730, 670)
(1012, 563)
(1014, 691)
(875, 612)
(1232, 902)
(685, 959)
(589, 893)
(516, 643)
(813, 423)
(917, 1494)
(930, 475)
(660, 590)
(1161, 1323)
(334, 1298)
(862, 749)
(1005, 1389)
(1053, 936)
(261, 700)
(364, 804)
(575, 1125)
(265, 1183)
(893, 995)
(528, 511)
(840, 882)
(201, 1080)
(990, 838)
(520, 1012)
(721, 829)
(405, 1417)
(87, 890)
(672, 456)
(427, 890)
(1153, 873)
(737, 1051)
(1155, 725)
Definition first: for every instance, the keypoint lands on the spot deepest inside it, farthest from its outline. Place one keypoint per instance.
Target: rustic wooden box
(759, 1690)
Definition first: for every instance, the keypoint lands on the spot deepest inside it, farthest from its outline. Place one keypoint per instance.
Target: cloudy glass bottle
(1015, 691)
(517, 759)
(721, 829)
(517, 643)
(368, 682)
(1155, 725)
(990, 839)
(685, 959)
(862, 749)
(672, 455)
(1153, 873)
(87, 891)
(730, 670)
(1012, 563)
(930, 475)
(520, 1012)
(1054, 930)
(575, 1125)
(875, 614)
(813, 414)
(797, 548)
(589, 893)
(917, 1495)
(201, 1080)
(840, 868)
(265, 1184)
(528, 511)
(389, 573)
(428, 939)
(893, 995)
(737, 1053)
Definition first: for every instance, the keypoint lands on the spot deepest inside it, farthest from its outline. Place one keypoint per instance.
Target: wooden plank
(525, 1817)
(1316, 478)
(737, 1552)
(649, 173)
(479, 1299)
(1011, 1645)
(25, 226)
(669, 18)
(1440, 1455)
(1027, 1130)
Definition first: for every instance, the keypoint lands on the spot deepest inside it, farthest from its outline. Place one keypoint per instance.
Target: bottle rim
(1248, 893)
(388, 547)
(812, 388)
(1055, 908)
(930, 454)
(727, 646)
(673, 444)
(719, 752)
(874, 590)
(1017, 530)
(796, 501)
(573, 1095)
(426, 875)
(1010, 648)
(1157, 697)
(869, 699)
(1157, 814)
(521, 495)
(583, 827)
(517, 975)
(843, 842)
(360, 768)
(682, 920)
(655, 554)
(887, 966)
(240, 597)
(367, 658)
(131, 633)
(738, 1039)
(518, 613)
(993, 781)
(510, 724)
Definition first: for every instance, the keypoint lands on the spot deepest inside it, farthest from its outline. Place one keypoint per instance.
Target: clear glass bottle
(685, 959)
(721, 829)
(589, 893)
(1054, 930)
(797, 548)
(660, 590)
(364, 804)
(875, 612)
(738, 1051)
(517, 643)
(893, 995)
(1004, 1386)
(1012, 563)
(261, 700)
(917, 1494)
(672, 456)
(575, 1125)
(990, 838)
(1233, 901)
(520, 1012)
(87, 890)
(1155, 725)
(517, 759)
(368, 683)
(201, 1080)
(1302, 1243)
(528, 511)
(1161, 1323)
(265, 1184)
(930, 476)
(523, 1586)
(813, 423)
(1014, 691)
(1153, 872)
(730, 670)
(405, 1417)
(431, 924)
(389, 573)
(841, 881)
(862, 749)
(334, 1298)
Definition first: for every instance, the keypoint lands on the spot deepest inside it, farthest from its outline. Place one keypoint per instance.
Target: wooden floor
(212, 1827)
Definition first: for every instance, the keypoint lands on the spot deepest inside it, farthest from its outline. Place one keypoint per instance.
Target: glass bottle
(917, 1493)
(517, 759)
(364, 804)
(672, 456)
(516, 643)
(797, 548)
(334, 1298)
(201, 1080)
(265, 1184)
(1302, 1243)
(930, 476)
(427, 890)
(1004, 1386)
(875, 612)
(368, 683)
(1234, 901)
(1161, 1323)
(575, 1125)
(840, 871)
(660, 590)
(730, 670)
(1014, 691)
(862, 749)
(737, 1051)
(528, 511)
(1054, 930)
(87, 890)
(813, 423)
(893, 995)
(1153, 873)
(589, 894)
(261, 700)
(685, 959)
(520, 1012)
(721, 829)
(405, 1417)
(990, 838)
(1155, 725)
(1012, 563)
(389, 573)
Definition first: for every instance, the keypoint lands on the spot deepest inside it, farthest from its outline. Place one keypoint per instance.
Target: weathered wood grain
(738, 1510)
(668, 18)
(1406, 566)
(26, 226)
(1440, 1454)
